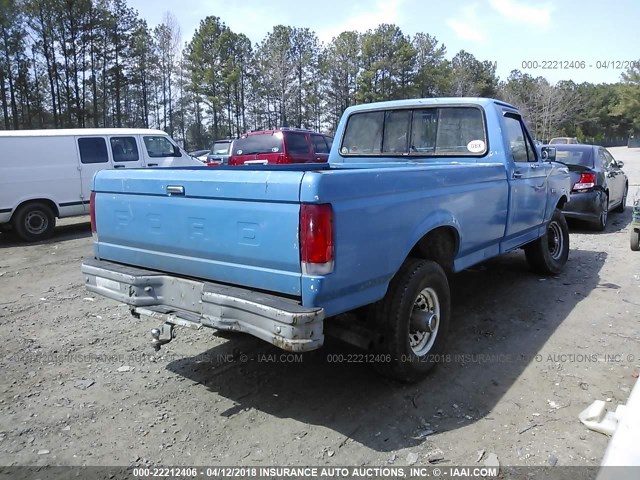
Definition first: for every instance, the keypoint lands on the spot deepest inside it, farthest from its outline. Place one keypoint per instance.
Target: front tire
(413, 318)
(34, 222)
(548, 254)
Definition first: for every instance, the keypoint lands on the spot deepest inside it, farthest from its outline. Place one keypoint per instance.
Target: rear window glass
(575, 157)
(262, 143)
(124, 149)
(93, 150)
(220, 148)
(456, 131)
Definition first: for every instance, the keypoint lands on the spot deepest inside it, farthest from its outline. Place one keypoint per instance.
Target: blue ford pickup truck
(414, 190)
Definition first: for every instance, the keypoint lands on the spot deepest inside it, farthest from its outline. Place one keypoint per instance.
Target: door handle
(517, 175)
(175, 189)
(118, 166)
(534, 165)
(152, 164)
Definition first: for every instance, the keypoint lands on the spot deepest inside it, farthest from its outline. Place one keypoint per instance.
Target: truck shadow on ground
(63, 233)
(502, 317)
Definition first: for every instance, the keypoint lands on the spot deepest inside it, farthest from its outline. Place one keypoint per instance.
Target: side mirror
(177, 152)
(548, 154)
(620, 163)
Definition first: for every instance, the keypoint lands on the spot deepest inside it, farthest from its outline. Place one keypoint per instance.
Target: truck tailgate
(238, 226)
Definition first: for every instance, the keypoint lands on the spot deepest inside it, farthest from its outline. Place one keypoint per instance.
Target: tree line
(97, 63)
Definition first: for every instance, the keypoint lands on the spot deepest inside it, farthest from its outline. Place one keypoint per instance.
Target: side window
(363, 134)
(93, 150)
(319, 144)
(396, 130)
(296, 143)
(124, 149)
(329, 141)
(516, 139)
(159, 146)
(531, 152)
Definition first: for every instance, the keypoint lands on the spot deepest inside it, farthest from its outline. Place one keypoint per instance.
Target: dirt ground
(81, 385)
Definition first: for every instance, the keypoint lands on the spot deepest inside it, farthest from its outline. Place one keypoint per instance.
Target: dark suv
(283, 145)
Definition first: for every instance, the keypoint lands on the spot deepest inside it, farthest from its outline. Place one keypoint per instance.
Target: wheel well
(51, 204)
(562, 202)
(440, 245)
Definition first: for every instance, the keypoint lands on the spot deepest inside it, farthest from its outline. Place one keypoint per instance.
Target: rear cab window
(93, 150)
(256, 144)
(419, 132)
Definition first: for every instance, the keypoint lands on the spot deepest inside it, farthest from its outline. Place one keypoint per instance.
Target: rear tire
(634, 240)
(34, 222)
(413, 319)
(620, 208)
(600, 224)
(548, 254)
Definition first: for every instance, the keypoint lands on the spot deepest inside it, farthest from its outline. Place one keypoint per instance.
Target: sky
(514, 34)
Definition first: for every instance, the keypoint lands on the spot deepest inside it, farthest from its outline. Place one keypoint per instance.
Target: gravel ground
(81, 384)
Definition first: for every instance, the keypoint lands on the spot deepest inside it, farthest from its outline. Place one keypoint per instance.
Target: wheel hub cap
(424, 322)
(36, 223)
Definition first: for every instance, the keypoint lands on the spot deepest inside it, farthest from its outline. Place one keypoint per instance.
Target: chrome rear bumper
(196, 303)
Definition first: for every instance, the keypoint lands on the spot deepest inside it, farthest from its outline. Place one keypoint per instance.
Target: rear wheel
(601, 223)
(413, 318)
(620, 208)
(34, 221)
(548, 254)
(635, 240)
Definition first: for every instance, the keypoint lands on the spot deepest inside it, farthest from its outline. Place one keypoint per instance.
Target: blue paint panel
(382, 211)
(208, 233)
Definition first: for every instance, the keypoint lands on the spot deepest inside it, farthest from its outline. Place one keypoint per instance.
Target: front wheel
(548, 254)
(413, 318)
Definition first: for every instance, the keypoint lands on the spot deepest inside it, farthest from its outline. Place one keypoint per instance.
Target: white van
(46, 174)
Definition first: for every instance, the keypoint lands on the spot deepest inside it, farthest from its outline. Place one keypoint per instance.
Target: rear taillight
(316, 239)
(587, 181)
(92, 212)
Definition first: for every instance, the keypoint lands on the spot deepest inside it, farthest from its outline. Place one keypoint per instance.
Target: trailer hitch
(162, 335)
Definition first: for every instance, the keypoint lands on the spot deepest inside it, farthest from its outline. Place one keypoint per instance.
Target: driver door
(527, 181)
